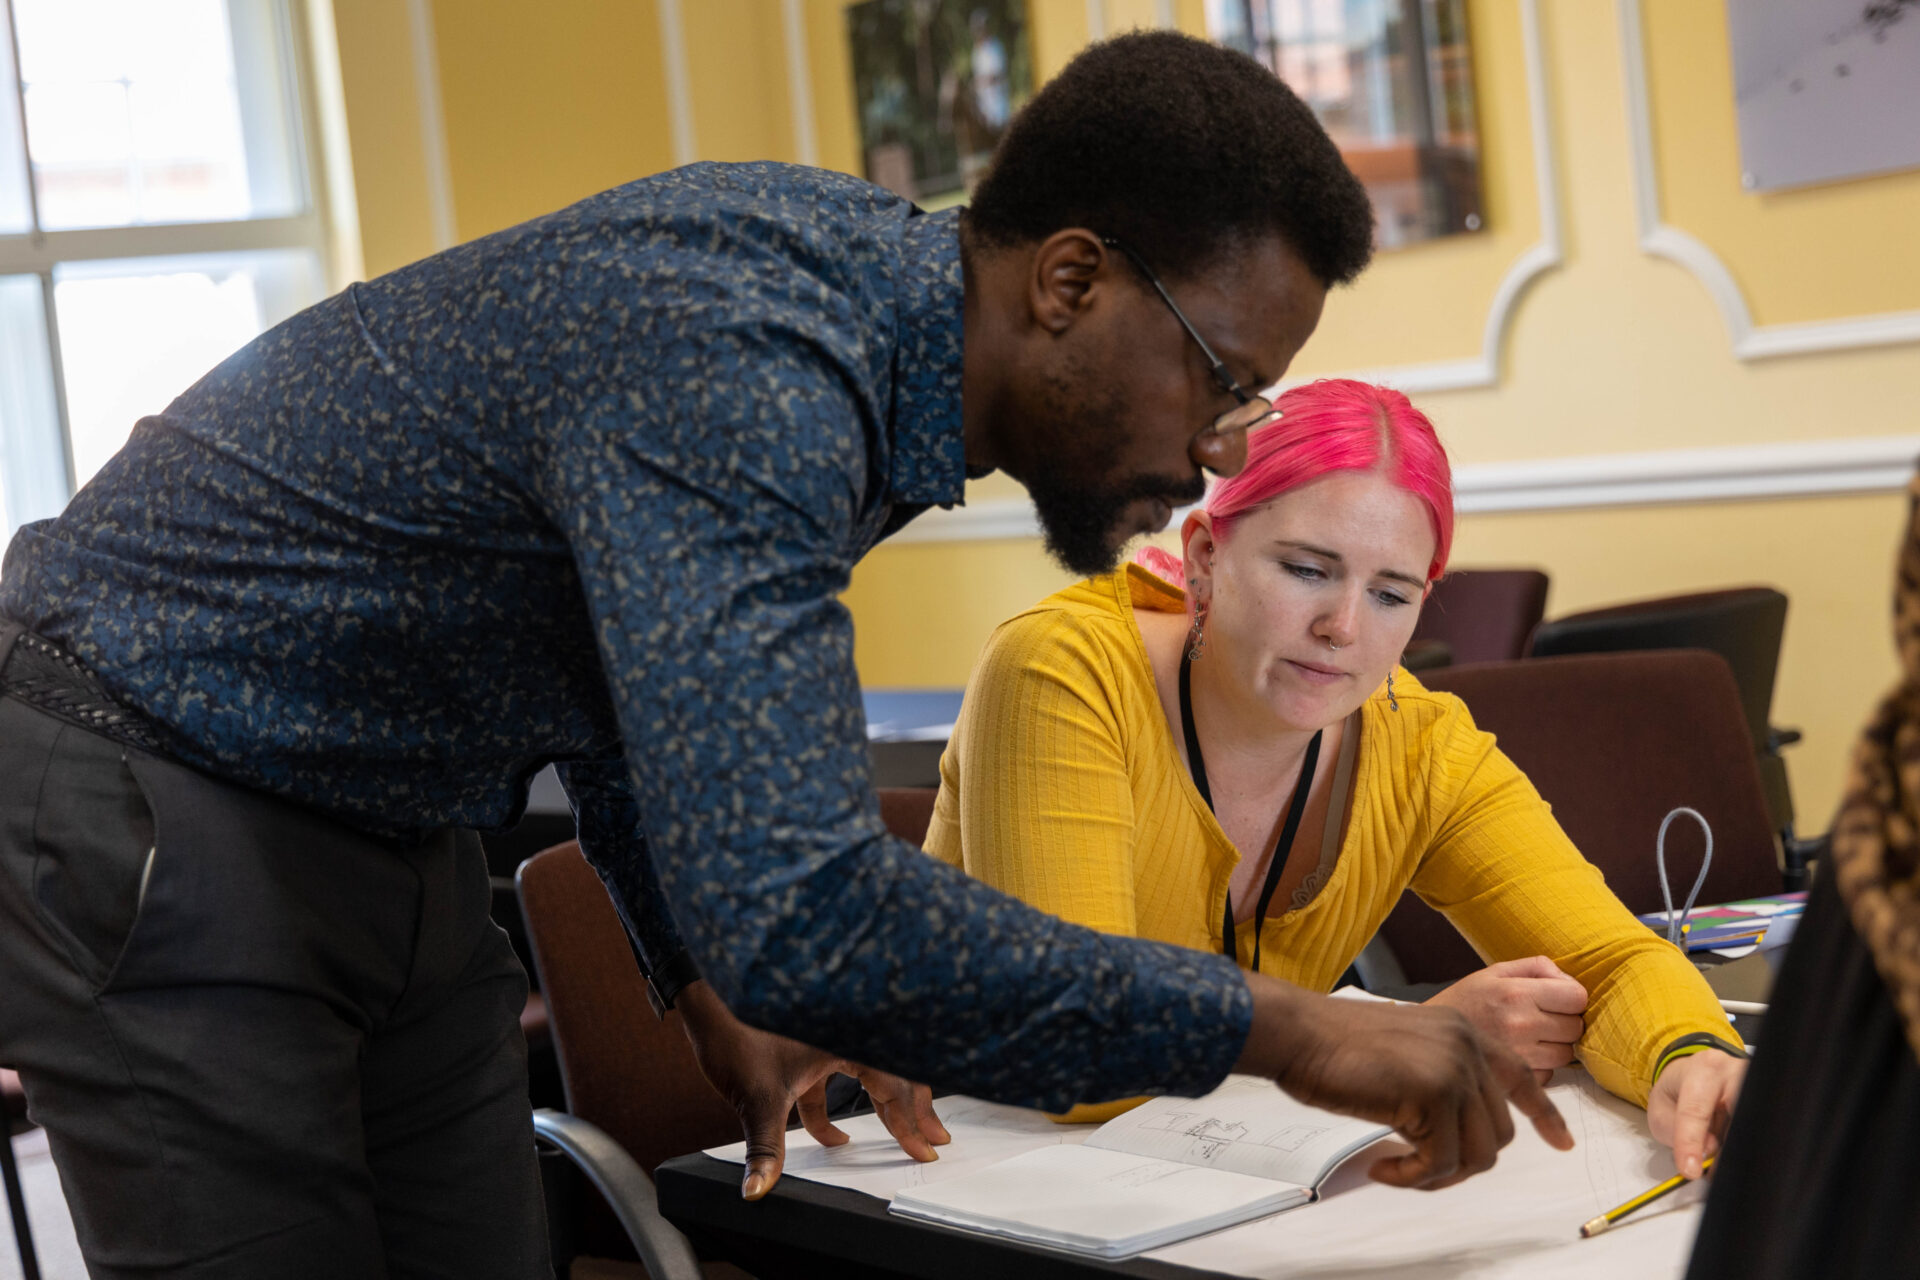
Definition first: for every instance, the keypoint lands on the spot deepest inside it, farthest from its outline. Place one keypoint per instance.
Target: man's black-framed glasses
(1251, 410)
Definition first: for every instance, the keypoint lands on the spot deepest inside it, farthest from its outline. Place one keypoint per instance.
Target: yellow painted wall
(383, 125)
(737, 67)
(548, 103)
(1612, 351)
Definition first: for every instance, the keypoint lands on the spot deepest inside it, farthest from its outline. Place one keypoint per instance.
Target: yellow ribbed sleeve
(1062, 786)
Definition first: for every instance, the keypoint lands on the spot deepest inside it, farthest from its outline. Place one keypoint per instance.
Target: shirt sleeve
(607, 818)
(713, 519)
(1035, 798)
(1501, 869)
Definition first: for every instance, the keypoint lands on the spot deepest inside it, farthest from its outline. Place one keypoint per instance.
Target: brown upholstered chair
(13, 1108)
(1483, 615)
(1615, 742)
(1744, 625)
(635, 1095)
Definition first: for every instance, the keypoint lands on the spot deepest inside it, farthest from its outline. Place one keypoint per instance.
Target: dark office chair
(1483, 615)
(1743, 625)
(1614, 742)
(13, 1109)
(635, 1094)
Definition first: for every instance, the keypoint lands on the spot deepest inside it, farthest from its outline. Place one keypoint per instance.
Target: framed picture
(1392, 82)
(1825, 89)
(935, 83)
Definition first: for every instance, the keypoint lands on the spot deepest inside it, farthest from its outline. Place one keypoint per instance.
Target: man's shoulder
(714, 192)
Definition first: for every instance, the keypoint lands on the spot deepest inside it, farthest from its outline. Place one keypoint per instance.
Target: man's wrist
(668, 979)
(1277, 1035)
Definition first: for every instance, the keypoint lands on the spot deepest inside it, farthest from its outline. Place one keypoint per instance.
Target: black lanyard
(1296, 808)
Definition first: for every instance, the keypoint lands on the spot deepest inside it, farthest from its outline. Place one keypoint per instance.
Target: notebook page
(1247, 1126)
(1106, 1203)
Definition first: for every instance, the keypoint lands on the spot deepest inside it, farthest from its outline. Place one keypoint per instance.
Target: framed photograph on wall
(935, 83)
(1825, 89)
(1392, 82)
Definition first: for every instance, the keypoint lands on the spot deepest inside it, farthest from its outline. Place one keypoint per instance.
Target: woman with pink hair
(1218, 750)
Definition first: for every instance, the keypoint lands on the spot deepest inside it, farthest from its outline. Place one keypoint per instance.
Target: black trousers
(1821, 1175)
(261, 1043)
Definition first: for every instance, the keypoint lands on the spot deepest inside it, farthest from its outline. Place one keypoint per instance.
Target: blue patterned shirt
(596, 482)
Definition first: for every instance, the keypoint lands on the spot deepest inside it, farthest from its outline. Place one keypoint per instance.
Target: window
(158, 208)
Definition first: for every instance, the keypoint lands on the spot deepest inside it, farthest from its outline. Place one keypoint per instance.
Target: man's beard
(1075, 491)
(1078, 515)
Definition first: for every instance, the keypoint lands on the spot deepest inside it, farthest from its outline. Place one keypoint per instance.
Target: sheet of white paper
(1106, 1203)
(1246, 1125)
(1521, 1219)
(1734, 953)
(984, 1133)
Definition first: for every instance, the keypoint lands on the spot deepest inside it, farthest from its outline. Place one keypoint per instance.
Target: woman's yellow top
(1062, 786)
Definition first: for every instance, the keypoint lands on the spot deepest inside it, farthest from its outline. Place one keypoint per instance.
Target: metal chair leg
(17, 1205)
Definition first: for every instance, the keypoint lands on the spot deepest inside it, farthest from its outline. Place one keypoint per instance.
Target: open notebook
(1169, 1169)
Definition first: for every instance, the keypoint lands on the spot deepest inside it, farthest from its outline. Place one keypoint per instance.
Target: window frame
(38, 252)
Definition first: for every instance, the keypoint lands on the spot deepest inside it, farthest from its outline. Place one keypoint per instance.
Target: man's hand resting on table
(1527, 1005)
(1426, 1071)
(764, 1076)
(1691, 1103)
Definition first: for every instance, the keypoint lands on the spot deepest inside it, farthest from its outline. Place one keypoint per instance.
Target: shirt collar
(929, 446)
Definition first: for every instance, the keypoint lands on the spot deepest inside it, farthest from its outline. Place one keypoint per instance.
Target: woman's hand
(1691, 1103)
(1527, 1005)
(766, 1076)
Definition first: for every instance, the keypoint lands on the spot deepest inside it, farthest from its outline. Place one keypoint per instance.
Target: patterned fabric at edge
(587, 490)
(1876, 836)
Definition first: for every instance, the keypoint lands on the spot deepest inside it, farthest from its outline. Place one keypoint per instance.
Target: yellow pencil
(1645, 1198)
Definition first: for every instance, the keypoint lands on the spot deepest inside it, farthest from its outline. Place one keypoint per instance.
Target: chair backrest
(1615, 742)
(1484, 615)
(622, 1068)
(1744, 625)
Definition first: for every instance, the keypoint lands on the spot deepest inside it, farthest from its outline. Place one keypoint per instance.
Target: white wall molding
(806, 141)
(1483, 370)
(1875, 464)
(1096, 20)
(1750, 341)
(1799, 469)
(673, 56)
(433, 124)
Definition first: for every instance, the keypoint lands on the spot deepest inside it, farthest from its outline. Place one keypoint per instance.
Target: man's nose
(1222, 452)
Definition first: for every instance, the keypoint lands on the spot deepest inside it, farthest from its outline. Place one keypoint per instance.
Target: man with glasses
(587, 491)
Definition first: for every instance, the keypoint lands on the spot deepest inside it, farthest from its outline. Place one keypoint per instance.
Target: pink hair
(1331, 425)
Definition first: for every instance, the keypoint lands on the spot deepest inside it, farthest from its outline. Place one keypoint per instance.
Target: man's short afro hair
(1180, 148)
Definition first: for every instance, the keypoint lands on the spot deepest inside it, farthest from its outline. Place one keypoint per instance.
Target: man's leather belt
(48, 678)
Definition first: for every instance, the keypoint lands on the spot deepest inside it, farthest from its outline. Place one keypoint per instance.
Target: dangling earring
(1391, 700)
(1197, 638)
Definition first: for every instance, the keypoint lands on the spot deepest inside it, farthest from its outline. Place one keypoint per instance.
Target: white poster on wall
(1825, 89)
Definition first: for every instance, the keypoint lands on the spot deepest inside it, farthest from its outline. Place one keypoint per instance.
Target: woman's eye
(1390, 598)
(1305, 572)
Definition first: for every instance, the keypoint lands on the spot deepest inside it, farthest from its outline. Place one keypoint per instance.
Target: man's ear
(1069, 269)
